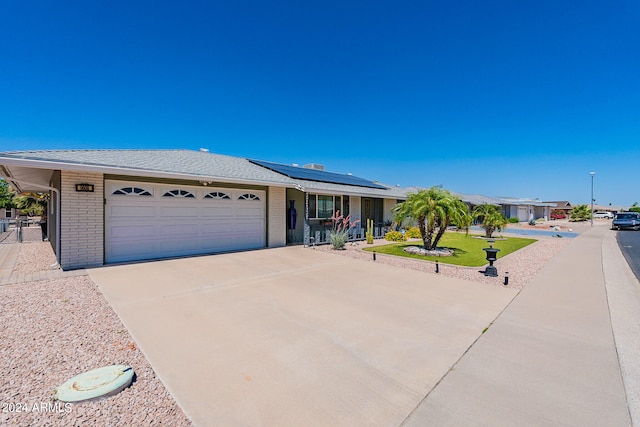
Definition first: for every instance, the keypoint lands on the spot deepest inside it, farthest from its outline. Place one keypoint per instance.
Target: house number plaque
(87, 188)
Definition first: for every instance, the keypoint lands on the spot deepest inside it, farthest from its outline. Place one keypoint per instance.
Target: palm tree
(491, 218)
(434, 210)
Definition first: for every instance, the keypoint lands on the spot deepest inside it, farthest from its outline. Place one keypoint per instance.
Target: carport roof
(32, 167)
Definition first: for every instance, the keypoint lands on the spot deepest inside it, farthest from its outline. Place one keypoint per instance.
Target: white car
(607, 215)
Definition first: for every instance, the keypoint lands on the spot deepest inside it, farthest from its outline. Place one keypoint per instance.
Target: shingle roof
(181, 162)
(185, 163)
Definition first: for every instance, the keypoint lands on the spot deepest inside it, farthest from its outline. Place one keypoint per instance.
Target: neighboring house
(111, 206)
(525, 209)
(561, 205)
(8, 213)
(608, 208)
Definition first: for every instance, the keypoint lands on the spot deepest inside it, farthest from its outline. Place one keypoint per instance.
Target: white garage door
(145, 221)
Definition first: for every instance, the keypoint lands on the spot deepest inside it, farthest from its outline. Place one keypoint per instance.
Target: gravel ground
(56, 329)
(521, 265)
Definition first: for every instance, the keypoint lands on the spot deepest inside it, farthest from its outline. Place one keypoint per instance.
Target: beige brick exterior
(277, 235)
(82, 221)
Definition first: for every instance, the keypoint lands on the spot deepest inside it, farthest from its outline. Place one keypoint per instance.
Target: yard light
(506, 278)
(374, 255)
(492, 255)
(437, 267)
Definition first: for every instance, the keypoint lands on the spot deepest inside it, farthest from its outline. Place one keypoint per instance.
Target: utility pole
(592, 200)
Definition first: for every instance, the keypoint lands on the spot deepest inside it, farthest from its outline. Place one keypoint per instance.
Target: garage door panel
(218, 228)
(125, 231)
(180, 229)
(183, 246)
(178, 212)
(156, 227)
(131, 211)
(218, 212)
(250, 211)
(125, 250)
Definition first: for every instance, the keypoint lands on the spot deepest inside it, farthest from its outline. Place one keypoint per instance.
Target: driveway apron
(294, 336)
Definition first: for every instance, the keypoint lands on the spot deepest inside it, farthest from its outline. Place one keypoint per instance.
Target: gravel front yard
(56, 329)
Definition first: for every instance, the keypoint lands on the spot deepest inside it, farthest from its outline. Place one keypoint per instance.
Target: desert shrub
(580, 213)
(339, 233)
(513, 220)
(338, 239)
(413, 233)
(394, 236)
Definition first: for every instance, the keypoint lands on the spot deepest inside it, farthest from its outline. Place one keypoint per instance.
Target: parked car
(626, 220)
(607, 215)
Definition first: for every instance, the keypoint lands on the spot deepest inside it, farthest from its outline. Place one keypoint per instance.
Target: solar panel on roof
(317, 175)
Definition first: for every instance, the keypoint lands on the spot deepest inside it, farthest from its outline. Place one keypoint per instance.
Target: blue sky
(502, 98)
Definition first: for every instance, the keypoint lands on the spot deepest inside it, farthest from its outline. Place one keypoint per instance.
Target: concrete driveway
(294, 336)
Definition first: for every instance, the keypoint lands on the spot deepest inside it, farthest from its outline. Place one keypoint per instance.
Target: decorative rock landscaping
(434, 252)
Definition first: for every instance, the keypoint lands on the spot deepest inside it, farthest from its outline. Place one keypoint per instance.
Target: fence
(320, 234)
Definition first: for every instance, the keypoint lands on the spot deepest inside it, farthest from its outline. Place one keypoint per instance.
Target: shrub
(580, 213)
(338, 239)
(339, 234)
(514, 220)
(395, 236)
(413, 233)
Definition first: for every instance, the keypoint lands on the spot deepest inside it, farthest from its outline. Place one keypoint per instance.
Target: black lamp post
(492, 255)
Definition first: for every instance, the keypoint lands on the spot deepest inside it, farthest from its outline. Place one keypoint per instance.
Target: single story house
(525, 209)
(563, 206)
(113, 206)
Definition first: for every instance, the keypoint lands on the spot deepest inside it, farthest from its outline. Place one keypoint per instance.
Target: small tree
(580, 213)
(490, 217)
(434, 210)
(6, 195)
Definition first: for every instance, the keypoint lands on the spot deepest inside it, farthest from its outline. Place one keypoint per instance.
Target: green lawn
(467, 250)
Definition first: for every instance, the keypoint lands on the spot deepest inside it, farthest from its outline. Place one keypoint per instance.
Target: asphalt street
(629, 242)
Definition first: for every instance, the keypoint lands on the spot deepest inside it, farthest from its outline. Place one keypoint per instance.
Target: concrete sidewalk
(549, 359)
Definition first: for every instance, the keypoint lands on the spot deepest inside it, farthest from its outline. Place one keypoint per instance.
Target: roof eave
(116, 170)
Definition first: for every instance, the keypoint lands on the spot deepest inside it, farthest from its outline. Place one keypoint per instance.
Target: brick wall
(82, 221)
(277, 217)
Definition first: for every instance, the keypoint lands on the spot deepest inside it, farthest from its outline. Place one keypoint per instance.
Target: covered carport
(37, 180)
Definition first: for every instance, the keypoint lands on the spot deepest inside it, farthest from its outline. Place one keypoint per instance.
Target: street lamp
(592, 175)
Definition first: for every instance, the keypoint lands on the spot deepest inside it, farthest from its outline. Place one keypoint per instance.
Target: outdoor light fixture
(506, 278)
(492, 255)
(437, 267)
(374, 255)
(592, 199)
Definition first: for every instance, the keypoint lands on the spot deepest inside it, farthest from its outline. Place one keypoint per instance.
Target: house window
(217, 195)
(132, 191)
(323, 207)
(179, 193)
(248, 196)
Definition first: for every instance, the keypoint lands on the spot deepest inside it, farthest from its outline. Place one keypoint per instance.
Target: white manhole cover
(101, 382)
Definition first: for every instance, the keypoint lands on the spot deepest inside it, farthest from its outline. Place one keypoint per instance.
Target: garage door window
(217, 195)
(248, 196)
(132, 191)
(179, 193)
